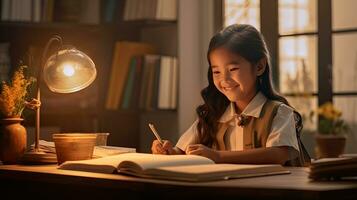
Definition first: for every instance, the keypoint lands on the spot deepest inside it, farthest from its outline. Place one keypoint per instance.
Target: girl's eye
(216, 72)
(234, 69)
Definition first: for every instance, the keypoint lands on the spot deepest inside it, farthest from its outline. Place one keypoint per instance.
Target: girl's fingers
(161, 151)
(195, 152)
(157, 148)
(193, 147)
(167, 145)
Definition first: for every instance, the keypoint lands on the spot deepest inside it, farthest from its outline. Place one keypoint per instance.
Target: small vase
(12, 140)
(329, 146)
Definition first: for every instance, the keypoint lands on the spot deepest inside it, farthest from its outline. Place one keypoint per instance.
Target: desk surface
(294, 186)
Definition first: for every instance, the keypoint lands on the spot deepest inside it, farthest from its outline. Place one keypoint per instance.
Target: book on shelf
(27, 10)
(123, 53)
(4, 62)
(150, 10)
(334, 168)
(151, 62)
(90, 12)
(109, 11)
(171, 167)
(168, 83)
(129, 86)
(83, 11)
(152, 79)
(134, 99)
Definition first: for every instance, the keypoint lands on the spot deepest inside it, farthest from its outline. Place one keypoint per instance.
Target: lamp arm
(55, 38)
(58, 39)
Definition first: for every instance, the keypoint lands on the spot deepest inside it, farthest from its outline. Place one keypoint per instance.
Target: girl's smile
(233, 75)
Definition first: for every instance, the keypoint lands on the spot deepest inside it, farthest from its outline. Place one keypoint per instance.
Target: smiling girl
(242, 120)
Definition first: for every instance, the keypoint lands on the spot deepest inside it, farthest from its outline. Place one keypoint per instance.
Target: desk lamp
(68, 70)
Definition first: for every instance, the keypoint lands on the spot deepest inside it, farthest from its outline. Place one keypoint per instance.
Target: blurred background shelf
(85, 111)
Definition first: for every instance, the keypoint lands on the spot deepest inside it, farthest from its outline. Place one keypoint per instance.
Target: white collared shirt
(282, 133)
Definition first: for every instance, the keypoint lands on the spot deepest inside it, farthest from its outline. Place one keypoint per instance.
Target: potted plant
(332, 129)
(12, 103)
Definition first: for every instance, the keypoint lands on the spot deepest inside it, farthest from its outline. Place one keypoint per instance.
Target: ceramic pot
(329, 146)
(74, 146)
(12, 140)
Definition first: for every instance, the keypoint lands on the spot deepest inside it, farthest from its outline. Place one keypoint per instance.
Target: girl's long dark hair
(246, 41)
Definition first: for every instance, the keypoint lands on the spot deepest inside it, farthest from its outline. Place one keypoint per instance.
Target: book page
(101, 165)
(209, 172)
(103, 151)
(149, 161)
(135, 162)
(215, 172)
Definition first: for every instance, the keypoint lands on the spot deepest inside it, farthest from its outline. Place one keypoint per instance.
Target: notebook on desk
(171, 167)
(334, 168)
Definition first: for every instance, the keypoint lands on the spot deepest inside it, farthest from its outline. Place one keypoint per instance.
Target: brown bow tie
(243, 120)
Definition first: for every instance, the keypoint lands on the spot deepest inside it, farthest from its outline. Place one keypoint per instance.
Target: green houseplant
(332, 129)
(12, 103)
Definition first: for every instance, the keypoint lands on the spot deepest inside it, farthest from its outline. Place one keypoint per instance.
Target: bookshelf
(85, 111)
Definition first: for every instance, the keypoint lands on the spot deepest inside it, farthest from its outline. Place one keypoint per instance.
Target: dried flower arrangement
(13, 94)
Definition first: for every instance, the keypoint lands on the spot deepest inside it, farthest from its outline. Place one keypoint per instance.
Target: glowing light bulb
(68, 69)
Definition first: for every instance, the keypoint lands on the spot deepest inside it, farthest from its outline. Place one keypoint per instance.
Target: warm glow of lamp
(67, 70)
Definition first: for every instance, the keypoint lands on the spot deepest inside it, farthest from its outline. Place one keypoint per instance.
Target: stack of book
(150, 10)
(140, 79)
(99, 151)
(84, 11)
(151, 83)
(334, 168)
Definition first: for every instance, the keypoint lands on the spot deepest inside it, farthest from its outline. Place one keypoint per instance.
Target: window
(344, 57)
(316, 58)
(298, 56)
(297, 16)
(242, 12)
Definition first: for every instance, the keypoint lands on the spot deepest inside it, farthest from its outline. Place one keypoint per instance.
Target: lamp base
(38, 157)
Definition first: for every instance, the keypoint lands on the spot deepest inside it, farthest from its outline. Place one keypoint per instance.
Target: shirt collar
(253, 109)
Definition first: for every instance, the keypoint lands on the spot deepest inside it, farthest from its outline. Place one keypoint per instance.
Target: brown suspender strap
(222, 129)
(256, 132)
(248, 136)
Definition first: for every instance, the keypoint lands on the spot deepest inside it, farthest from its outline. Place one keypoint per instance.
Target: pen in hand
(152, 127)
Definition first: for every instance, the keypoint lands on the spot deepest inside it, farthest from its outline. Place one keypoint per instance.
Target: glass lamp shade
(69, 71)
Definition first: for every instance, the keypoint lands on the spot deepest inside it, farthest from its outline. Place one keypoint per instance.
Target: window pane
(344, 14)
(296, 16)
(304, 105)
(242, 12)
(298, 61)
(344, 62)
(348, 106)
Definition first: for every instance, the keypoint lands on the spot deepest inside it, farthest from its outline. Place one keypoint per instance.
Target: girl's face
(233, 75)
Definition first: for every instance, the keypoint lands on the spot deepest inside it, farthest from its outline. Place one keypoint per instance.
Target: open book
(172, 167)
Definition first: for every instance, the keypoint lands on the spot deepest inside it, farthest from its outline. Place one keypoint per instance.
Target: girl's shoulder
(281, 107)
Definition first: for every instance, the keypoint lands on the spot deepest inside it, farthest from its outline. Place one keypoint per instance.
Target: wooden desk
(47, 182)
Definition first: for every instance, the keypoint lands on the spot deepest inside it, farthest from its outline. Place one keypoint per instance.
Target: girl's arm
(269, 155)
(177, 151)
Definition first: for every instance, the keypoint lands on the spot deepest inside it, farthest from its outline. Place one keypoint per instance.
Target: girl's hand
(165, 148)
(202, 150)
